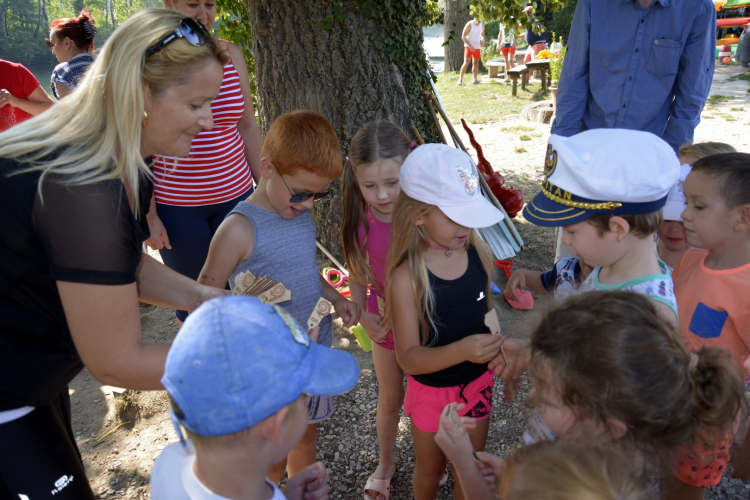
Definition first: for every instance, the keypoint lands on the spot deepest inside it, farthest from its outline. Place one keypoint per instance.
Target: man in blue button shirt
(638, 64)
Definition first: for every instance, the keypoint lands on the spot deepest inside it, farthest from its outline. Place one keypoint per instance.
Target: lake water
(42, 72)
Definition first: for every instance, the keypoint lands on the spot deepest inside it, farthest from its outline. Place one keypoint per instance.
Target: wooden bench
(514, 73)
(494, 65)
(543, 66)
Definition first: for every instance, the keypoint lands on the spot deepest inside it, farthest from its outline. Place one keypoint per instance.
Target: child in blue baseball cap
(238, 376)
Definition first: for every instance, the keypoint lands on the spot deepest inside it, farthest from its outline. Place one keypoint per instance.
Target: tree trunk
(456, 17)
(334, 59)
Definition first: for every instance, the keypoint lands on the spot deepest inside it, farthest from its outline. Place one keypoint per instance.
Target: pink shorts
(424, 403)
(386, 343)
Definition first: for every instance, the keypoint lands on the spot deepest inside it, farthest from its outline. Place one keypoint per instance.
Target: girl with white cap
(437, 296)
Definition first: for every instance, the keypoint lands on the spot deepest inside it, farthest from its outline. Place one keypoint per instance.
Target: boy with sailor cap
(606, 189)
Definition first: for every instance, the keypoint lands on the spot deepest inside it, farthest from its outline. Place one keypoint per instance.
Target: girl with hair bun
(72, 42)
(608, 371)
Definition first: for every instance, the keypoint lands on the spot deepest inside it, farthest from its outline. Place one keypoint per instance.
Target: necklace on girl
(448, 252)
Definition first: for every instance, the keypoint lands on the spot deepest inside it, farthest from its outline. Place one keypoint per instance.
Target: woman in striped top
(72, 42)
(192, 195)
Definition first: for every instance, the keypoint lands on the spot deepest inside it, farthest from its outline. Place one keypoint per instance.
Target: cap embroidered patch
(550, 162)
(471, 182)
(299, 336)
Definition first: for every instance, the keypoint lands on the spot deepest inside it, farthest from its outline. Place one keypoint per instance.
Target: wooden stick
(420, 141)
(452, 130)
(333, 259)
(428, 98)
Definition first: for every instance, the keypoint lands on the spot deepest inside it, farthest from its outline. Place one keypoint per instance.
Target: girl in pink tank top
(370, 189)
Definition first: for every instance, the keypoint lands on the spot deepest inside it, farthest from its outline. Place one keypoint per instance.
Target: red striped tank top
(216, 169)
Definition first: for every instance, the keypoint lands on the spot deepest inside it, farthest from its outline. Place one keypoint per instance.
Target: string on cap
(693, 363)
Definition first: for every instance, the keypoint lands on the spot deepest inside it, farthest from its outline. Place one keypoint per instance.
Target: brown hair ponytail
(717, 392)
(80, 30)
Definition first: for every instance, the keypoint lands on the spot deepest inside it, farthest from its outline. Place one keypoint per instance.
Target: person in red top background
(21, 96)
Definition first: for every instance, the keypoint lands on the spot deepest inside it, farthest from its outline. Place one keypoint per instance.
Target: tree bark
(456, 16)
(307, 58)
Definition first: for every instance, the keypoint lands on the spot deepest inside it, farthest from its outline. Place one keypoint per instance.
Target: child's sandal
(381, 486)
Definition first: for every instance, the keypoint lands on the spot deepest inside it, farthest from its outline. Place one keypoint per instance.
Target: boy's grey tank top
(284, 251)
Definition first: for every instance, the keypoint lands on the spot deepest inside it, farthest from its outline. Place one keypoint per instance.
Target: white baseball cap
(611, 171)
(446, 177)
(676, 197)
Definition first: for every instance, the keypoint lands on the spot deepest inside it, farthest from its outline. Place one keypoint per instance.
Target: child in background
(671, 239)
(550, 470)
(606, 188)
(712, 284)
(671, 243)
(690, 153)
(238, 375)
(606, 369)
(562, 280)
(370, 190)
(272, 233)
(437, 296)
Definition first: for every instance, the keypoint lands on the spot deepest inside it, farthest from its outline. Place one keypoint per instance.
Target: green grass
(520, 150)
(717, 98)
(727, 117)
(738, 109)
(484, 103)
(517, 128)
(741, 76)
(524, 137)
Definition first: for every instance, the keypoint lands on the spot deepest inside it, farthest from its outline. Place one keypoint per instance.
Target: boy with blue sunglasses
(272, 234)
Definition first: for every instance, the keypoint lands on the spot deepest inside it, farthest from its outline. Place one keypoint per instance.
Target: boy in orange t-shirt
(712, 286)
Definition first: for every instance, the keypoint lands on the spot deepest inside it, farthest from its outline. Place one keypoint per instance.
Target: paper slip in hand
(262, 287)
(322, 309)
(456, 420)
(381, 306)
(491, 321)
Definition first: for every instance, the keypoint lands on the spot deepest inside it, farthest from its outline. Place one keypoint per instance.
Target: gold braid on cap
(608, 205)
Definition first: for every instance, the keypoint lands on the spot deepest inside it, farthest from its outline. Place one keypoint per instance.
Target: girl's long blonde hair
(408, 244)
(564, 470)
(376, 141)
(94, 134)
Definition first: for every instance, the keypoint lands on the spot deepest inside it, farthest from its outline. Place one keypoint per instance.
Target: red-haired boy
(272, 233)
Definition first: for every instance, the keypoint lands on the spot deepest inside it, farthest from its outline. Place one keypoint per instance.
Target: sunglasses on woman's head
(300, 197)
(190, 29)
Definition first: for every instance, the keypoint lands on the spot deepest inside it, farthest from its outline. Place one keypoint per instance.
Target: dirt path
(120, 465)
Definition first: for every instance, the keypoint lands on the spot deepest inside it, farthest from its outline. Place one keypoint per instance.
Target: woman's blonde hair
(376, 141)
(564, 470)
(408, 244)
(94, 134)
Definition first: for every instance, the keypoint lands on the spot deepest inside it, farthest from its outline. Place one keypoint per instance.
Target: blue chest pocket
(707, 323)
